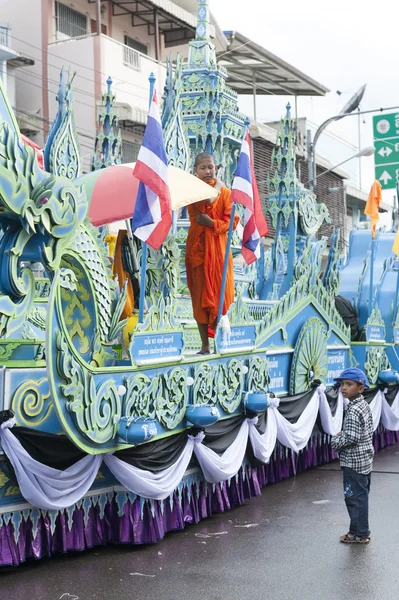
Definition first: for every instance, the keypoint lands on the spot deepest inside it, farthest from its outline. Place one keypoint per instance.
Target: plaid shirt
(355, 442)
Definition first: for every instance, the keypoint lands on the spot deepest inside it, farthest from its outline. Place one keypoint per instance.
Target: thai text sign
(336, 364)
(241, 337)
(279, 373)
(156, 347)
(375, 333)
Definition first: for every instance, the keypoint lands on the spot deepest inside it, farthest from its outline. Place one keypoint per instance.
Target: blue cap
(354, 374)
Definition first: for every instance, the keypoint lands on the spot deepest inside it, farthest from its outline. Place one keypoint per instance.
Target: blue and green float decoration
(60, 318)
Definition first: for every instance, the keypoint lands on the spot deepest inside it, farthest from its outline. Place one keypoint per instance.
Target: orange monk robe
(205, 252)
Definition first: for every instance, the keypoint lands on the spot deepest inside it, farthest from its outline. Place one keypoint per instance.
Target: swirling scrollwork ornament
(258, 374)
(311, 213)
(171, 402)
(376, 361)
(203, 392)
(96, 410)
(139, 398)
(31, 403)
(229, 381)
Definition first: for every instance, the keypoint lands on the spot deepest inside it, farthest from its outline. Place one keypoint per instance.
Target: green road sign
(386, 151)
(387, 175)
(386, 126)
(386, 145)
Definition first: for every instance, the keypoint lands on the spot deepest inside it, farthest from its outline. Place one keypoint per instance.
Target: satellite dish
(354, 102)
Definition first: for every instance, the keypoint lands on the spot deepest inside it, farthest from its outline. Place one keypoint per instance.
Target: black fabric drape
(369, 394)
(221, 435)
(157, 455)
(53, 450)
(291, 407)
(332, 399)
(59, 452)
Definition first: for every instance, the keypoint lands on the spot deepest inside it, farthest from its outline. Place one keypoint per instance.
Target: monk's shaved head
(203, 156)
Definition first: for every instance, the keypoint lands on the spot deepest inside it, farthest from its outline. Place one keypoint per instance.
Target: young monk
(205, 251)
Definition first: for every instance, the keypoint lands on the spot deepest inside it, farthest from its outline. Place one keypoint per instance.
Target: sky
(341, 44)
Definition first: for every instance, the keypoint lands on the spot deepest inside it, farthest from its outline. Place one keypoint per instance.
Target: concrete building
(11, 62)
(135, 39)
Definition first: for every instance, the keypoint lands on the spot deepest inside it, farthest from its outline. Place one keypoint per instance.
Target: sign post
(386, 144)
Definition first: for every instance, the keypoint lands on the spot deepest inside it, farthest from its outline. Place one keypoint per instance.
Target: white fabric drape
(53, 489)
(331, 424)
(376, 407)
(296, 435)
(390, 414)
(220, 468)
(43, 486)
(263, 444)
(156, 486)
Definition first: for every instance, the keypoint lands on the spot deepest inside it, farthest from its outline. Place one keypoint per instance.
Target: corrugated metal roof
(252, 67)
(176, 11)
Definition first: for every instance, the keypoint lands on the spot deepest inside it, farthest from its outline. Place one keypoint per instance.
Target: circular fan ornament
(310, 360)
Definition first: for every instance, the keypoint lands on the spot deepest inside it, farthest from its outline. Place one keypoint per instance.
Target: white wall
(130, 86)
(117, 27)
(77, 55)
(11, 84)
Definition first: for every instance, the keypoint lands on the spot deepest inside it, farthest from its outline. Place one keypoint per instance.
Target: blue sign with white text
(279, 367)
(155, 347)
(337, 362)
(375, 333)
(241, 337)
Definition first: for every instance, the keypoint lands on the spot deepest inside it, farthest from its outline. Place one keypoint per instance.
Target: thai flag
(245, 191)
(152, 217)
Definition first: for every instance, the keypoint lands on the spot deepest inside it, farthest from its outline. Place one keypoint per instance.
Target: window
(130, 151)
(69, 22)
(135, 45)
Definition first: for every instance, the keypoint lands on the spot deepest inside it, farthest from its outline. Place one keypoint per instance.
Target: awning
(253, 69)
(177, 24)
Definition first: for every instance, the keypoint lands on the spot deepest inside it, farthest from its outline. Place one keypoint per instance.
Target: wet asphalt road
(281, 546)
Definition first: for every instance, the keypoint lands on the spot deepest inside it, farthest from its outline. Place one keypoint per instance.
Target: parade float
(111, 441)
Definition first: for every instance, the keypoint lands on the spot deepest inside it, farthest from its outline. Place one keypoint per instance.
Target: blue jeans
(356, 492)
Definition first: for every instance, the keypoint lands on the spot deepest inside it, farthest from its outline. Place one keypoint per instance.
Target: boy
(355, 447)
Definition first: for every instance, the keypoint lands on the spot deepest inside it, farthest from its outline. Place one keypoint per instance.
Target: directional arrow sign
(386, 151)
(386, 144)
(387, 175)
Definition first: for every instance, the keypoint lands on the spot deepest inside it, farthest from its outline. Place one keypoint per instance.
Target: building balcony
(6, 52)
(95, 58)
(130, 70)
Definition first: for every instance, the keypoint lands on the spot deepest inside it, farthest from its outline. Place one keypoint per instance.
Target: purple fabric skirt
(121, 518)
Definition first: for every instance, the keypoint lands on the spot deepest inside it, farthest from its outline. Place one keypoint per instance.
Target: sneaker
(349, 538)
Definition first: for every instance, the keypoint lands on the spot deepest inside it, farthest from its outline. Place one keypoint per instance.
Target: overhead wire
(83, 67)
(260, 87)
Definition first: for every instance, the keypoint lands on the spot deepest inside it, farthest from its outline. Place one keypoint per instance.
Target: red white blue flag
(152, 217)
(245, 191)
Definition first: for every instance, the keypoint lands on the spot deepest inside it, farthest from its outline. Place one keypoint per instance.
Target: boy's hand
(203, 219)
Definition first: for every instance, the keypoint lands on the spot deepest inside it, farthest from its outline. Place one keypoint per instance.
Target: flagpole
(372, 254)
(151, 79)
(226, 262)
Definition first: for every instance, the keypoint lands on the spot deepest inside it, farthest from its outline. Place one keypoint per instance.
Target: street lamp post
(368, 151)
(311, 145)
(349, 107)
